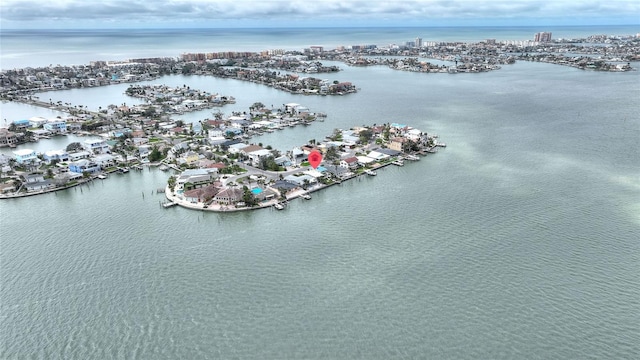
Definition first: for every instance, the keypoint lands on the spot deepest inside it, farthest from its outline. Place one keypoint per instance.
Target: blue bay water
(519, 240)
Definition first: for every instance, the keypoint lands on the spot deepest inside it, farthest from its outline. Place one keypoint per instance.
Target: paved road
(270, 175)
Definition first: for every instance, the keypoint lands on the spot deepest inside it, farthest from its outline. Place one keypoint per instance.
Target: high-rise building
(542, 37)
(418, 42)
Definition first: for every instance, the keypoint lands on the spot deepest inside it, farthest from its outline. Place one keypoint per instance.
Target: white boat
(306, 196)
(102, 176)
(370, 172)
(163, 167)
(398, 162)
(279, 206)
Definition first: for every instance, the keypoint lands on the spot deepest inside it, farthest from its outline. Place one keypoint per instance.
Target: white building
(37, 121)
(25, 156)
(96, 146)
(56, 126)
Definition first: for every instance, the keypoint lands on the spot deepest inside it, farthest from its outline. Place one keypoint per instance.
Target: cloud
(16, 11)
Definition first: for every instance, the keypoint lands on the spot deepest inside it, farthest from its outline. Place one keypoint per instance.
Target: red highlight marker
(315, 158)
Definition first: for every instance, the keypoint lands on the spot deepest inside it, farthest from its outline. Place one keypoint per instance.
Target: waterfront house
(33, 178)
(299, 179)
(79, 155)
(389, 152)
(285, 186)
(195, 178)
(349, 163)
(83, 165)
(56, 126)
(338, 171)
(104, 160)
(144, 151)
(26, 156)
(377, 155)
(229, 196)
(37, 121)
(202, 194)
(8, 138)
(21, 124)
(365, 160)
(96, 146)
(7, 187)
(58, 155)
(36, 182)
(397, 143)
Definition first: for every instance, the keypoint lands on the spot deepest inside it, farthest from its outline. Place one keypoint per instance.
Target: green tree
(74, 146)
(365, 136)
(155, 154)
(332, 155)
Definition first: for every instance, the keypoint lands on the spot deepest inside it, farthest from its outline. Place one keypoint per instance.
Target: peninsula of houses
(265, 177)
(216, 166)
(131, 138)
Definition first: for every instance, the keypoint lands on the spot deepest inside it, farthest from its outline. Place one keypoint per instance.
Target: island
(265, 177)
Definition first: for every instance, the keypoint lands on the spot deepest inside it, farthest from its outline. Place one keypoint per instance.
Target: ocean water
(519, 240)
(22, 48)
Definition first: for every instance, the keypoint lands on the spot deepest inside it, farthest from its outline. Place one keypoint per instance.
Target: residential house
(299, 179)
(285, 186)
(37, 121)
(349, 137)
(38, 185)
(8, 138)
(397, 143)
(33, 178)
(26, 156)
(83, 165)
(236, 148)
(7, 187)
(202, 194)
(389, 152)
(144, 151)
(58, 155)
(195, 178)
(21, 124)
(283, 161)
(257, 155)
(377, 155)
(96, 146)
(216, 132)
(229, 196)
(56, 126)
(350, 163)
(104, 160)
(79, 155)
(189, 157)
(338, 170)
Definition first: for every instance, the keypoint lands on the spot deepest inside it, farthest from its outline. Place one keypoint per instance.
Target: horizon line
(324, 27)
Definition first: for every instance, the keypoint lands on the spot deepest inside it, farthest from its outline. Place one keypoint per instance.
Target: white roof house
(25, 156)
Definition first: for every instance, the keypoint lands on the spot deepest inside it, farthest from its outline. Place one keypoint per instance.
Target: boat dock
(168, 204)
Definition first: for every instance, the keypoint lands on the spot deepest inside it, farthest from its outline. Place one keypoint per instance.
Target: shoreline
(175, 200)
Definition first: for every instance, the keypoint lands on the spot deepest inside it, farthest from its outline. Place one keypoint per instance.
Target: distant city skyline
(83, 14)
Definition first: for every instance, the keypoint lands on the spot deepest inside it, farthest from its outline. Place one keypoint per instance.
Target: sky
(105, 14)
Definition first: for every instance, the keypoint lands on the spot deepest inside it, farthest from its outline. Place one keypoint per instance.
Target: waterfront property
(26, 156)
